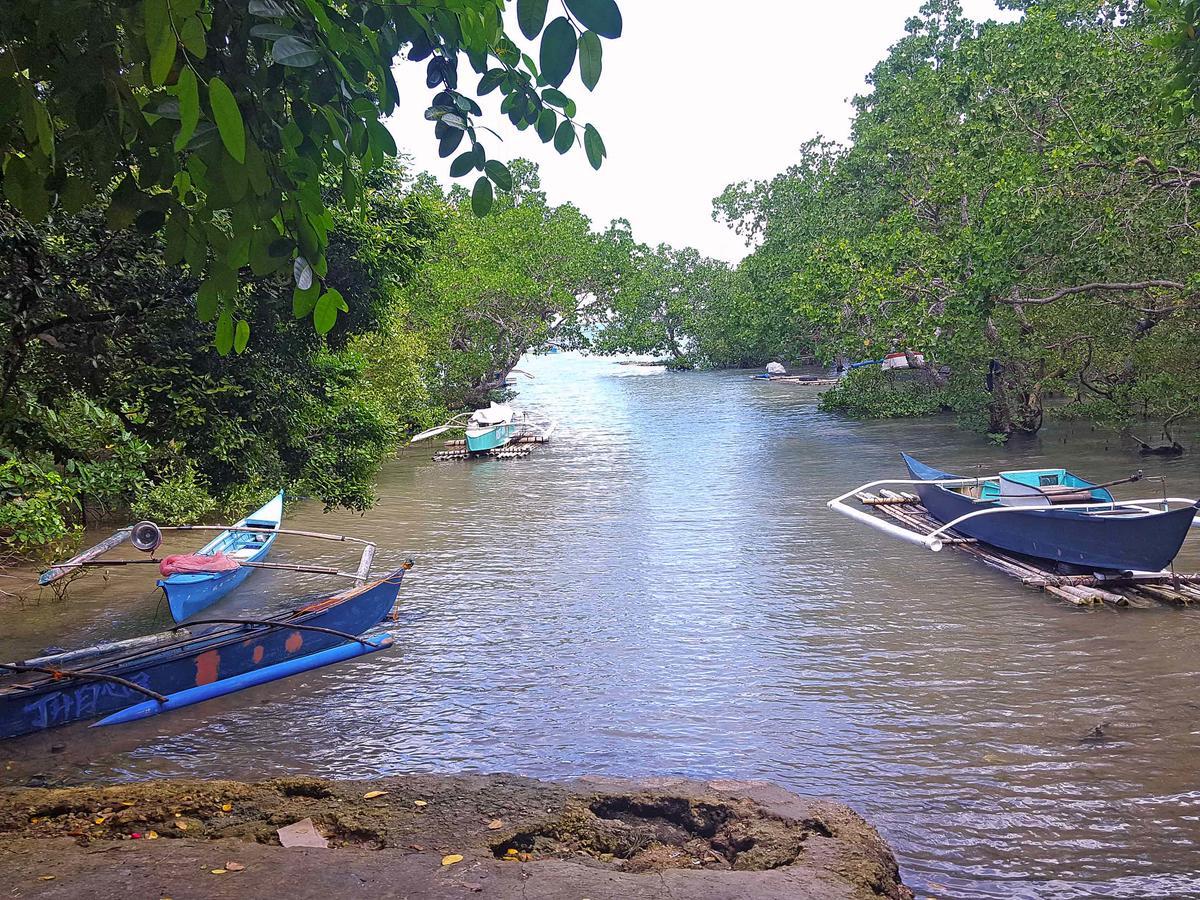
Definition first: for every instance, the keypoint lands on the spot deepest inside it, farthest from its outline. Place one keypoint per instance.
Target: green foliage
(180, 496)
(109, 383)
(1014, 203)
(494, 288)
(871, 393)
(213, 123)
(35, 501)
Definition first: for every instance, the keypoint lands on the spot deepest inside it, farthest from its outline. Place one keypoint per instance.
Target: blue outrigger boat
(84, 684)
(1047, 514)
(189, 593)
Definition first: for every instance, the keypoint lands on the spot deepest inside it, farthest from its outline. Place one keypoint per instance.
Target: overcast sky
(694, 96)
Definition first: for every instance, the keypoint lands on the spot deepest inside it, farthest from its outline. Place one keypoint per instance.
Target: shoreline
(500, 836)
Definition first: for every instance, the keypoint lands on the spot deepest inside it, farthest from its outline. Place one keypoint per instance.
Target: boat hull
(1141, 543)
(31, 702)
(188, 594)
(484, 439)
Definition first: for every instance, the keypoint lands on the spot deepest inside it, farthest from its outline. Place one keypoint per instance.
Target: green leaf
(481, 197)
(271, 32)
(591, 59)
(206, 300)
(194, 37)
(555, 97)
(302, 273)
(490, 81)
(155, 17)
(593, 146)
(381, 138)
(463, 163)
(162, 58)
(25, 188)
(295, 52)
(326, 311)
(498, 172)
(241, 336)
(304, 301)
(601, 16)
(546, 124)
(558, 50)
(228, 118)
(564, 137)
(188, 92)
(531, 16)
(224, 337)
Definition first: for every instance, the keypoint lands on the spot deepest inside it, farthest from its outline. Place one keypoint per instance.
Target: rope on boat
(94, 676)
(345, 635)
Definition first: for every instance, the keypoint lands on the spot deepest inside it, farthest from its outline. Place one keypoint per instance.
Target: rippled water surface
(661, 590)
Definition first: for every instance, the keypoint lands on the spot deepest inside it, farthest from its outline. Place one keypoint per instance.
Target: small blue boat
(92, 682)
(491, 428)
(189, 593)
(1034, 517)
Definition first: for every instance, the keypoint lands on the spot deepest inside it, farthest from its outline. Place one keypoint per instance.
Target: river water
(661, 590)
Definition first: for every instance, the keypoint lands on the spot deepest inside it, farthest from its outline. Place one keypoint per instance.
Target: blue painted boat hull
(1145, 542)
(32, 701)
(188, 594)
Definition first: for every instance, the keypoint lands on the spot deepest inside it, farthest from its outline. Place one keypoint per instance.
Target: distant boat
(1054, 515)
(491, 428)
(49, 691)
(900, 360)
(190, 592)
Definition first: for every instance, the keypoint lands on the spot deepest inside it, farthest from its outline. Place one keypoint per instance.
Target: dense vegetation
(1015, 203)
(214, 121)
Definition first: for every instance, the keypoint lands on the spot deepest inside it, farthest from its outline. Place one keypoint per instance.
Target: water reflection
(662, 591)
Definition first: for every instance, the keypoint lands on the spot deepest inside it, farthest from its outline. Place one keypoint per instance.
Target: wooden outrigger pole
(90, 557)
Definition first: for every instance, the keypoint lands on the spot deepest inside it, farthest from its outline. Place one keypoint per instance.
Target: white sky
(693, 97)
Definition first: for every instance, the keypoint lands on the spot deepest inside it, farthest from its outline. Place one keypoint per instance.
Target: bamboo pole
(56, 572)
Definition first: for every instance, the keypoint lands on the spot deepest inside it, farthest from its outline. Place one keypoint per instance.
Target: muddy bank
(455, 836)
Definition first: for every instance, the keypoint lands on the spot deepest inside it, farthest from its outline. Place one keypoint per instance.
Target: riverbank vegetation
(1015, 203)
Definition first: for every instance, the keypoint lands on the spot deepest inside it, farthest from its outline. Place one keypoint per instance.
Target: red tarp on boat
(197, 564)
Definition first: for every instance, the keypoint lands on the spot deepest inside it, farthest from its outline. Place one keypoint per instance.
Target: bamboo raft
(1141, 590)
(517, 448)
(799, 379)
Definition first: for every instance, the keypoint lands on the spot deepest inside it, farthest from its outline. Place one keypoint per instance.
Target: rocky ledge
(495, 836)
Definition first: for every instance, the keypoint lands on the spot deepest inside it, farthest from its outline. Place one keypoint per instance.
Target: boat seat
(245, 552)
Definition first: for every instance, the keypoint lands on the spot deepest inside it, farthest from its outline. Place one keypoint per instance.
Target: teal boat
(491, 428)
(188, 593)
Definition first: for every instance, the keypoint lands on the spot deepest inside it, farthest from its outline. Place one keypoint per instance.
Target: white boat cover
(496, 414)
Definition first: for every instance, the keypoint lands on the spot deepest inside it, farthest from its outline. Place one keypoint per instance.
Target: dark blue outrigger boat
(86, 684)
(1047, 514)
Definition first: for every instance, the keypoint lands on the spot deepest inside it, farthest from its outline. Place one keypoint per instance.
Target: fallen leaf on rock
(371, 795)
(47, 877)
(99, 820)
(511, 852)
(128, 803)
(182, 826)
(217, 871)
(420, 803)
(451, 859)
(152, 835)
(416, 847)
(302, 834)
(234, 866)
(495, 824)
(226, 807)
